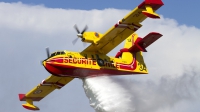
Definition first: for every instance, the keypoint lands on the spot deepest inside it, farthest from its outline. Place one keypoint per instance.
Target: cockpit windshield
(57, 53)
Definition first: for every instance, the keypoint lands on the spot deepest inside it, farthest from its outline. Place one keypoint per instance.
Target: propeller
(80, 34)
(48, 52)
(48, 55)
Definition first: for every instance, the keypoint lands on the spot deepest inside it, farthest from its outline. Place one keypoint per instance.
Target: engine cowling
(91, 37)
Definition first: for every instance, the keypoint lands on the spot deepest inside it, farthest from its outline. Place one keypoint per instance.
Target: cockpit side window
(53, 54)
(62, 52)
(57, 53)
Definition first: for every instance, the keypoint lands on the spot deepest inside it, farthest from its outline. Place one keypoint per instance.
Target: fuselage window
(62, 52)
(57, 53)
(53, 54)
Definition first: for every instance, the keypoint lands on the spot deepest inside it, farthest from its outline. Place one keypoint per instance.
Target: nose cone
(44, 63)
(51, 66)
(80, 35)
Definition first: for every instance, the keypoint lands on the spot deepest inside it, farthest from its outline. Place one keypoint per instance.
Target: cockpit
(57, 53)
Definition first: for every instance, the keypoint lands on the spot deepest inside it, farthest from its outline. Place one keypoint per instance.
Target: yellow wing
(42, 90)
(125, 27)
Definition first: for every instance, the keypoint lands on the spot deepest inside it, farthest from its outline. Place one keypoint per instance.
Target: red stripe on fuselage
(72, 71)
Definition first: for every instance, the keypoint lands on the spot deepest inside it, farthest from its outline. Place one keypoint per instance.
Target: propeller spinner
(80, 34)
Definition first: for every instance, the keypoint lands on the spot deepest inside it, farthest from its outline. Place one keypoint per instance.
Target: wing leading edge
(42, 90)
(125, 27)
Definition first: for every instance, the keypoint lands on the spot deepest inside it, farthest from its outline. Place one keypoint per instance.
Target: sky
(27, 27)
(185, 12)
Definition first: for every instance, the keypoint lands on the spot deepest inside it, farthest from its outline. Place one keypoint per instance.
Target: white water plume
(114, 94)
(106, 95)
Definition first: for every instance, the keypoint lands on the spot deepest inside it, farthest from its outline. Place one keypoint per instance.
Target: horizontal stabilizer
(141, 43)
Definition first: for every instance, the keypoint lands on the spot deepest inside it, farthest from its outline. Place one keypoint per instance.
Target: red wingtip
(157, 2)
(22, 97)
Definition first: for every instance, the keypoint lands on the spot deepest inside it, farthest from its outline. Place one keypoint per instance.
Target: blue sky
(185, 12)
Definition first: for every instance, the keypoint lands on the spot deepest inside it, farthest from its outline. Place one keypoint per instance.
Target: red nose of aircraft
(51, 66)
(44, 63)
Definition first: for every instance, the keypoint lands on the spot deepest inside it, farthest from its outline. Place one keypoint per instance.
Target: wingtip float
(29, 102)
(93, 61)
(151, 6)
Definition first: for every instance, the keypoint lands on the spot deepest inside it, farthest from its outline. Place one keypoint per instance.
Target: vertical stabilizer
(132, 51)
(129, 42)
(129, 56)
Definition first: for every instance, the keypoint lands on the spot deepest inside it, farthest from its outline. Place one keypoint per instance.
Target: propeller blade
(74, 41)
(48, 53)
(84, 29)
(80, 35)
(77, 30)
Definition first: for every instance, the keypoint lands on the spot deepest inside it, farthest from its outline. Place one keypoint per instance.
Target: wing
(42, 90)
(125, 27)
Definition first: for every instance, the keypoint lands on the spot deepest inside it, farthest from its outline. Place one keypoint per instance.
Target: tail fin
(133, 48)
(128, 44)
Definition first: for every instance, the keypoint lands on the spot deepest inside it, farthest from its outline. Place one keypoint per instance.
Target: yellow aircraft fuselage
(86, 64)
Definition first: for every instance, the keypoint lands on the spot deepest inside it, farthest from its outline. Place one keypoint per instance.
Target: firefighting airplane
(93, 61)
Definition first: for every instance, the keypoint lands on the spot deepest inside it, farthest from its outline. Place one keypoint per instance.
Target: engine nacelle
(91, 37)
